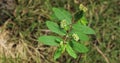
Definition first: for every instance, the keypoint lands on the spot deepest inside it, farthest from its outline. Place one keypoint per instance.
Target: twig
(106, 59)
(45, 30)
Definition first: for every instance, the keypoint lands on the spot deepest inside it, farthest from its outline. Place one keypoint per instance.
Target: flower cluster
(63, 24)
(82, 7)
(75, 37)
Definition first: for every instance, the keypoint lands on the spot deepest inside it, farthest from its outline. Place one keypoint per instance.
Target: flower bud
(61, 43)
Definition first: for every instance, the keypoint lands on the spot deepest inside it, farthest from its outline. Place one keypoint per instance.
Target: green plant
(72, 31)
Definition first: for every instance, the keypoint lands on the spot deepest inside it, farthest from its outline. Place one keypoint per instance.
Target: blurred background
(23, 21)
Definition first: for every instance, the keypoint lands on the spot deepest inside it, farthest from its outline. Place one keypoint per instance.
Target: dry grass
(21, 51)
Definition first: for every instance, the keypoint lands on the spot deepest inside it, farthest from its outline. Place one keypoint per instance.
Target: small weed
(72, 31)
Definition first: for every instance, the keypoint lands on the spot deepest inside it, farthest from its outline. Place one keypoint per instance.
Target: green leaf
(83, 37)
(58, 52)
(78, 15)
(62, 14)
(49, 40)
(53, 17)
(70, 51)
(82, 28)
(83, 20)
(79, 47)
(55, 28)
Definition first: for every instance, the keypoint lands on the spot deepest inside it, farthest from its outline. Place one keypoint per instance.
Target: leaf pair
(61, 14)
(66, 47)
(71, 48)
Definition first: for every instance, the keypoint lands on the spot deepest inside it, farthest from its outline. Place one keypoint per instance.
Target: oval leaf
(58, 52)
(82, 28)
(62, 14)
(70, 51)
(79, 47)
(55, 28)
(49, 40)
